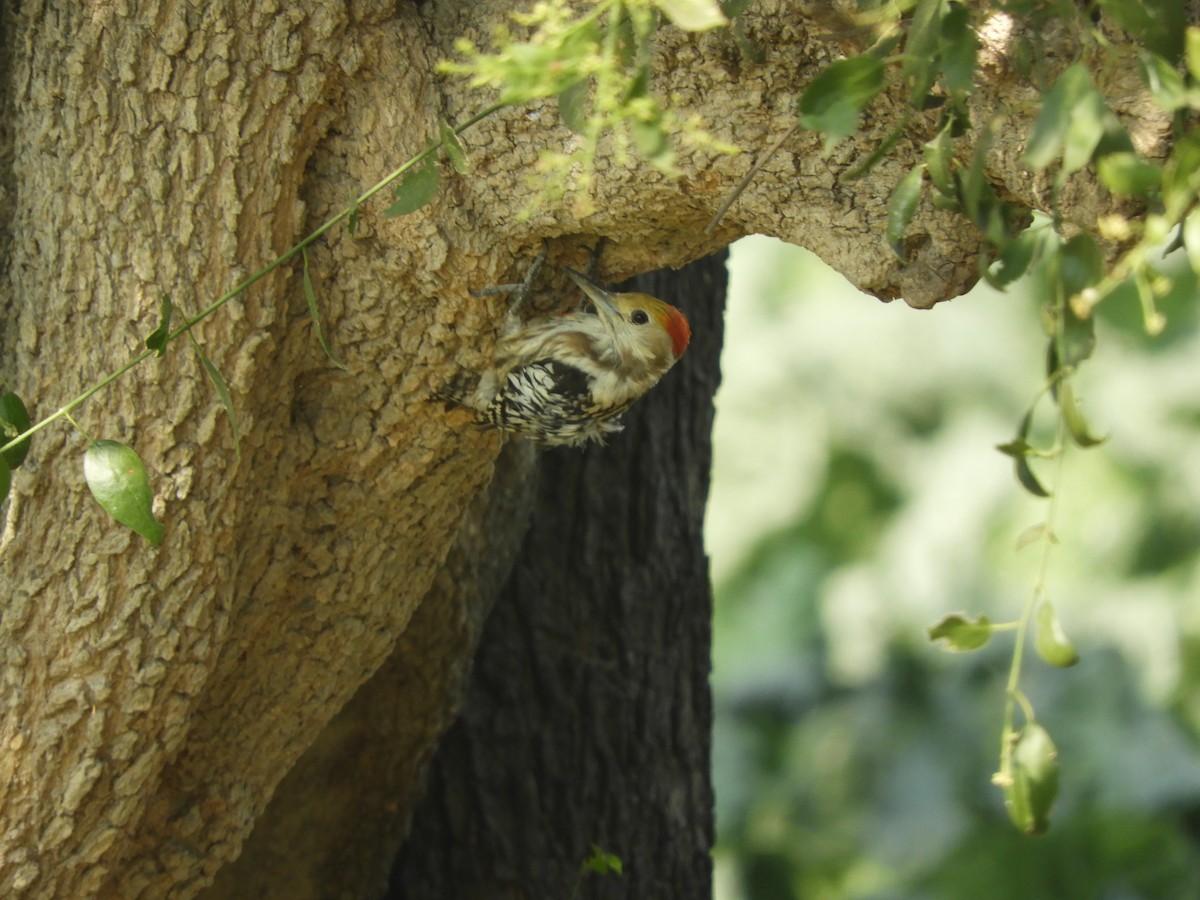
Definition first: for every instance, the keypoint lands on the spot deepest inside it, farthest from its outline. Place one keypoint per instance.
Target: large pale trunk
(151, 701)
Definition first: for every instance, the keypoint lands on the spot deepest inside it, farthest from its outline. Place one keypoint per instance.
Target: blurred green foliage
(857, 497)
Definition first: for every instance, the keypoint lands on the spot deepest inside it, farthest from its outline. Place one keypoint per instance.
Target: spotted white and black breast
(552, 402)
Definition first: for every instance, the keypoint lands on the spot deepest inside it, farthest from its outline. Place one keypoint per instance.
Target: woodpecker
(565, 379)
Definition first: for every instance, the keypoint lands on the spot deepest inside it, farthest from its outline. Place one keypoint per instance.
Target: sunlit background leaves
(858, 497)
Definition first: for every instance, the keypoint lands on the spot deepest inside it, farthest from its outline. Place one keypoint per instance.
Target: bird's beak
(601, 299)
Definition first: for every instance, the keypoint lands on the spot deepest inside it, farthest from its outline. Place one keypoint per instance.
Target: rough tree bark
(152, 702)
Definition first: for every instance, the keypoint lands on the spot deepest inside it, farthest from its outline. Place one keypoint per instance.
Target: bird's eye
(639, 317)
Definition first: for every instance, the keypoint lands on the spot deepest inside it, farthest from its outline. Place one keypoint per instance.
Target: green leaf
(572, 106)
(352, 219)
(1035, 534)
(602, 862)
(652, 141)
(1181, 176)
(639, 85)
(835, 98)
(1189, 234)
(5, 479)
(1078, 338)
(959, 48)
(1193, 51)
(882, 150)
(416, 189)
(632, 38)
(1027, 479)
(452, 147)
(1080, 264)
(158, 338)
(1051, 641)
(1030, 783)
(119, 482)
(649, 136)
(1014, 259)
(1165, 83)
(1053, 122)
(920, 50)
(222, 389)
(960, 632)
(979, 200)
(1020, 449)
(310, 297)
(1019, 446)
(1089, 122)
(1129, 174)
(938, 154)
(14, 420)
(1016, 449)
(901, 208)
(734, 8)
(1155, 24)
(541, 68)
(693, 15)
(1077, 426)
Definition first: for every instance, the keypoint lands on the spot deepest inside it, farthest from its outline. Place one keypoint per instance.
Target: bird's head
(640, 325)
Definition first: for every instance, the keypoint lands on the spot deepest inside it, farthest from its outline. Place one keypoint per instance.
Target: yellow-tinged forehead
(667, 315)
(627, 303)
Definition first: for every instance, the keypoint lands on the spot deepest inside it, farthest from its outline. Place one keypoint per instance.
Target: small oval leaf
(572, 106)
(1050, 130)
(693, 15)
(1027, 479)
(958, 47)
(222, 389)
(1051, 641)
(157, 340)
(901, 208)
(1073, 418)
(1079, 270)
(602, 862)
(1081, 263)
(1089, 122)
(314, 310)
(1165, 83)
(1015, 258)
(1032, 785)
(938, 153)
(834, 99)
(1035, 533)
(1179, 185)
(960, 632)
(14, 420)
(1127, 173)
(416, 189)
(917, 68)
(652, 141)
(119, 482)
(452, 147)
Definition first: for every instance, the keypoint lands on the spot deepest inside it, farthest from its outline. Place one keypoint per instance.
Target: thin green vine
(123, 486)
(927, 50)
(602, 54)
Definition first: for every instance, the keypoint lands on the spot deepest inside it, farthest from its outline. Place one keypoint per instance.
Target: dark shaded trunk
(588, 721)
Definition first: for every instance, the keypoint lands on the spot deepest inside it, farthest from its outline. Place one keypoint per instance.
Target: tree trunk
(151, 702)
(334, 824)
(588, 719)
